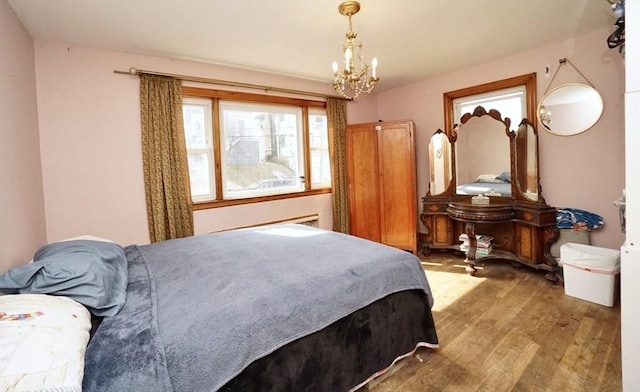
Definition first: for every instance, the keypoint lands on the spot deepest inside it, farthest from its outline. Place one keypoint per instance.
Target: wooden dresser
(484, 156)
(522, 233)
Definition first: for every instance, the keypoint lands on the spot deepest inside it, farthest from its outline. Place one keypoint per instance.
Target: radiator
(309, 220)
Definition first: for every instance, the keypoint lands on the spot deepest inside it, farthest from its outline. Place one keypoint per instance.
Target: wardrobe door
(362, 167)
(396, 164)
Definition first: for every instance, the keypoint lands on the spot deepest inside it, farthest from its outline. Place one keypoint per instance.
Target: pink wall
(364, 110)
(584, 171)
(91, 149)
(22, 222)
(88, 119)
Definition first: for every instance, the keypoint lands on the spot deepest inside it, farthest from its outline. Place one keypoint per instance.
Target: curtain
(164, 158)
(337, 119)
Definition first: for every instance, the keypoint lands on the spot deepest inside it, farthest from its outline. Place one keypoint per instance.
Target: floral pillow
(44, 338)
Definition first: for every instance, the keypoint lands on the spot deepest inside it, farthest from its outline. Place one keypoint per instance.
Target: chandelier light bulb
(347, 58)
(545, 116)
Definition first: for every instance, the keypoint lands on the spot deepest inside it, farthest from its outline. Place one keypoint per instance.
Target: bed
(487, 184)
(278, 308)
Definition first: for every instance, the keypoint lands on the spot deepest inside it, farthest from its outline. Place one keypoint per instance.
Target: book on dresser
(484, 244)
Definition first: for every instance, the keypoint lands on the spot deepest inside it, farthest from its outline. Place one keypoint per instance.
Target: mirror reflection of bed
(483, 156)
(487, 184)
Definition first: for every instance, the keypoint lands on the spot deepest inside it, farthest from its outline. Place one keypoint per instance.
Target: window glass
(261, 149)
(199, 139)
(510, 102)
(319, 148)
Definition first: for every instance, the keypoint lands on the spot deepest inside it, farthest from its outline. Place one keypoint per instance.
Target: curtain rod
(135, 71)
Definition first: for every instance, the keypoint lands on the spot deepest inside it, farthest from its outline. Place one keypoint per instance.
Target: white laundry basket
(590, 272)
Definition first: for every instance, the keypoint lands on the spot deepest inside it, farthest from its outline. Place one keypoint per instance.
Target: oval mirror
(439, 162)
(570, 109)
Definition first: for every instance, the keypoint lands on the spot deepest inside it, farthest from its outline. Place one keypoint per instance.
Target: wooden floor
(508, 329)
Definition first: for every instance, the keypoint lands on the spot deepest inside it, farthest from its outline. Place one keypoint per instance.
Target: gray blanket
(201, 309)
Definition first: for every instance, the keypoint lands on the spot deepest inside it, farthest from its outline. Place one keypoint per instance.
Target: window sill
(205, 205)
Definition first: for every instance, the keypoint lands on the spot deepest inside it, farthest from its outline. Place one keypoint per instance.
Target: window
(510, 102)
(247, 146)
(514, 98)
(199, 139)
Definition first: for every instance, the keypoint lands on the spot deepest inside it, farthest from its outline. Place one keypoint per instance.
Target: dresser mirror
(570, 109)
(526, 160)
(439, 162)
(482, 142)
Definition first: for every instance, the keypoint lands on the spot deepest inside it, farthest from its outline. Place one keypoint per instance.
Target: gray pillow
(505, 176)
(489, 179)
(93, 273)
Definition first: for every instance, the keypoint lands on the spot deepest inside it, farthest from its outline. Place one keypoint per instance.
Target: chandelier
(545, 116)
(354, 79)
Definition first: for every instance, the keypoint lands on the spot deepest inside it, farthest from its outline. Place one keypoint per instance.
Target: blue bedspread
(201, 309)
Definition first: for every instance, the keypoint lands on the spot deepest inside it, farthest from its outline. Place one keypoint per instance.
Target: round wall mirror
(570, 109)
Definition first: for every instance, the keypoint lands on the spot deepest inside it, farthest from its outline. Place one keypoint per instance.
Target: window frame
(224, 95)
(528, 80)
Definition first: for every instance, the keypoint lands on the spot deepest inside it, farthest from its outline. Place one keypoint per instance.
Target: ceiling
(412, 39)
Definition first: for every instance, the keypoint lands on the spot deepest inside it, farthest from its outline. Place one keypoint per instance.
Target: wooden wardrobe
(382, 183)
